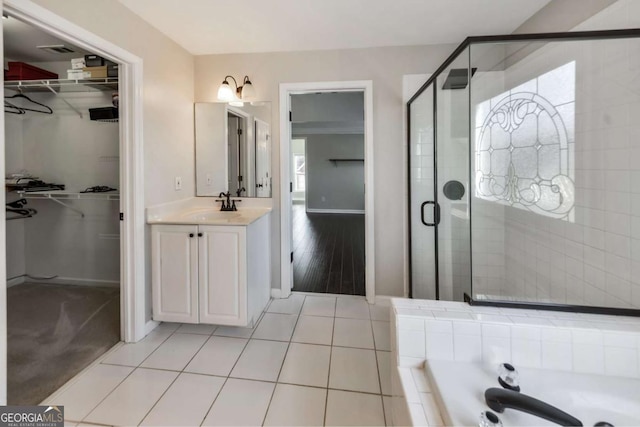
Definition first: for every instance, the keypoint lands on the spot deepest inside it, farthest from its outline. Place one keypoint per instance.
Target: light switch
(209, 180)
(178, 183)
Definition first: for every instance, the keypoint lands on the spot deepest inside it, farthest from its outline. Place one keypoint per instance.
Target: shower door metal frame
(431, 81)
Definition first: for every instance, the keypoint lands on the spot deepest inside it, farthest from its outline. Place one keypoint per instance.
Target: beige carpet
(55, 331)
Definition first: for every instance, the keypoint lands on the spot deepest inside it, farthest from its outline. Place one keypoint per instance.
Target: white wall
(335, 185)
(385, 67)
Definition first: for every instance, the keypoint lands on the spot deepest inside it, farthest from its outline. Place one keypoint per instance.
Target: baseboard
(276, 293)
(76, 281)
(336, 211)
(323, 294)
(15, 281)
(150, 326)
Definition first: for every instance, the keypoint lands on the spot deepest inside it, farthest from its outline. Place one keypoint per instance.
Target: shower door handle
(436, 213)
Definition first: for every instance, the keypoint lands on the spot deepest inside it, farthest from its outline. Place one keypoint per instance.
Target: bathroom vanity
(212, 266)
(209, 266)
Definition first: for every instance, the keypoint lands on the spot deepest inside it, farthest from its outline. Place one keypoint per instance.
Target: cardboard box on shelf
(78, 75)
(97, 72)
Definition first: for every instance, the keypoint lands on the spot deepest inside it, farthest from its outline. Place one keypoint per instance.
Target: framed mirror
(233, 149)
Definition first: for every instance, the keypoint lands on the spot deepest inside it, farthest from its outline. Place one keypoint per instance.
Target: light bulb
(225, 93)
(248, 92)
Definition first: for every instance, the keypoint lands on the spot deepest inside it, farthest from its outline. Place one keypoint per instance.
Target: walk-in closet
(62, 165)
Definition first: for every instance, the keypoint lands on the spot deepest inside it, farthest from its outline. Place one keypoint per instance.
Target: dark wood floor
(328, 252)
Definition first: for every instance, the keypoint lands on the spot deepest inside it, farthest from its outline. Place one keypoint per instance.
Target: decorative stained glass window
(525, 145)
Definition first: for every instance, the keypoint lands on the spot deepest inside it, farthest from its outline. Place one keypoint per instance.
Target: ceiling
(20, 41)
(215, 26)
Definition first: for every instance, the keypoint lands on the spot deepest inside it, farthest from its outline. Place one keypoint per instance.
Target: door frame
(132, 247)
(244, 117)
(286, 90)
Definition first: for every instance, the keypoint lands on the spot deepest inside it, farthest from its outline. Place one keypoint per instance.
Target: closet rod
(65, 101)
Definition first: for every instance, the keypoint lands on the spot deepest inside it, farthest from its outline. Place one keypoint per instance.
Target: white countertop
(209, 216)
(205, 211)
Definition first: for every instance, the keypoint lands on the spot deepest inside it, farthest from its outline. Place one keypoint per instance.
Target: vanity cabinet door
(174, 263)
(223, 275)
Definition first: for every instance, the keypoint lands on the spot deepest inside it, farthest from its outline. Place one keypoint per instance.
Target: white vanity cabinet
(214, 274)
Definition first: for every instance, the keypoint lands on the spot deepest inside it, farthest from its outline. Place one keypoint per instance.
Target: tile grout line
(179, 373)
(128, 375)
(375, 353)
(333, 326)
(284, 359)
(108, 394)
(230, 370)
(228, 376)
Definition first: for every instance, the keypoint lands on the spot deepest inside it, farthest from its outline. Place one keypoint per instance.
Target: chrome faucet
(230, 205)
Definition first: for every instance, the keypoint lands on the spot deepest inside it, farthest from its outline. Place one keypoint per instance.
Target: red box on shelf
(23, 71)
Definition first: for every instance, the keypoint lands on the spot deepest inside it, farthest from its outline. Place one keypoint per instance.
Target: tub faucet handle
(508, 377)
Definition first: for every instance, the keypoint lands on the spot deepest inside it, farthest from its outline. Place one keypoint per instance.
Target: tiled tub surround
(424, 330)
(311, 360)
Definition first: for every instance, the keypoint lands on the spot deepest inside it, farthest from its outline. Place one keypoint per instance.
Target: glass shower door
(440, 255)
(421, 187)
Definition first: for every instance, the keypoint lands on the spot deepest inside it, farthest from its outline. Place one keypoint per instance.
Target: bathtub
(459, 387)
(446, 354)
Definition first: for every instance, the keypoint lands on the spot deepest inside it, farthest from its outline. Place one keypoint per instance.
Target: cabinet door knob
(190, 234)
(199, 234)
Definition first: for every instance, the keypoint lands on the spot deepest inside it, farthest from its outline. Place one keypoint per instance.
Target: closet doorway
(72, 275)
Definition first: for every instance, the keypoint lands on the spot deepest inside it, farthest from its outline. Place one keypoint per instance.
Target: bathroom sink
(210, 215)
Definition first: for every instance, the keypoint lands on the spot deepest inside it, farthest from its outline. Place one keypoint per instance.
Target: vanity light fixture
(242, 93)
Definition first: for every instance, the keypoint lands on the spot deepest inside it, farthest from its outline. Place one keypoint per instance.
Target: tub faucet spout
(500, 399)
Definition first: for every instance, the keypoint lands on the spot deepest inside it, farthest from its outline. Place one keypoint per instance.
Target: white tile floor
(311, 360)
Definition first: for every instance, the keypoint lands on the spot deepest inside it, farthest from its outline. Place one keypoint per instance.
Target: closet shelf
(60, 196)
(68, 195)
(62, 86)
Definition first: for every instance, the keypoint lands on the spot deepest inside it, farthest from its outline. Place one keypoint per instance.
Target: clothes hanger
(21, 213)
(47, 110)
(12, 109)
(17, 204)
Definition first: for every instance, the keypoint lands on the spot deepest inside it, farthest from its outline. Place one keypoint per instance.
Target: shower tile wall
(592, 256)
